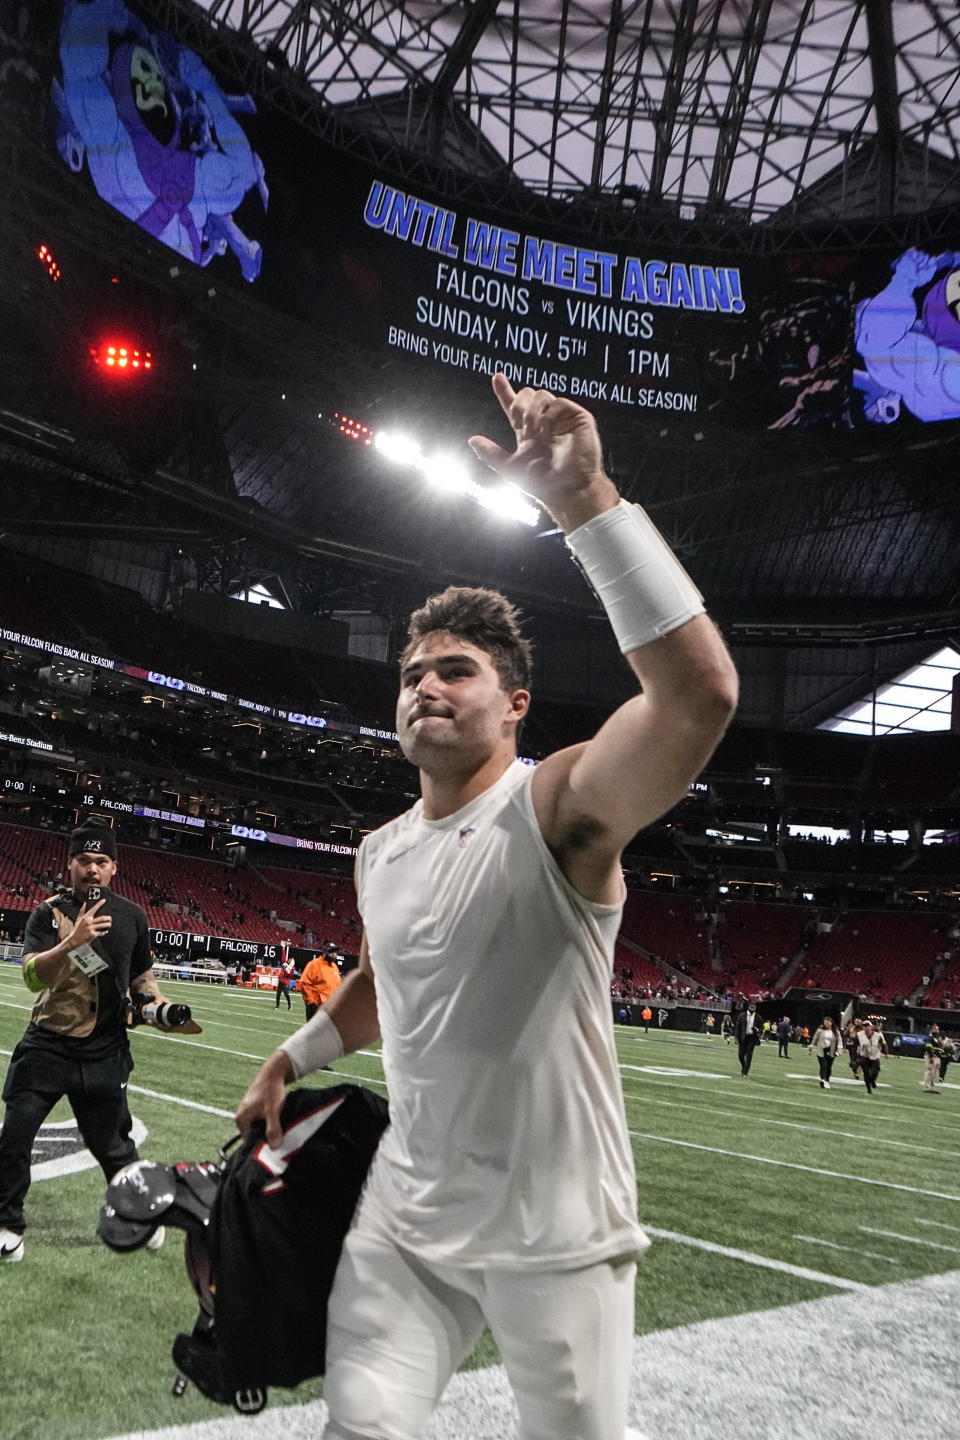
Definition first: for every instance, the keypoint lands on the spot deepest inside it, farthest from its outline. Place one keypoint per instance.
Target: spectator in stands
(932, 1050)
(319, 979)
(826, 1043)
(491, 911)
(286, 976)
(82, 954)
(872, 1046)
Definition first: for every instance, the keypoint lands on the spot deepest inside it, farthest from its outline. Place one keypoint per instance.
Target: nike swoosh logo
(397, 854)
(10, 1249)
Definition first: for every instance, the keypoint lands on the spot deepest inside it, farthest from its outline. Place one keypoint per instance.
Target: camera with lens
(164, 1014)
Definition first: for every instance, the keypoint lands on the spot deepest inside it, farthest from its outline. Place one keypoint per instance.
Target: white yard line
(764, 1262)
(940, 1224)
(909, 1239)
(790, 1125)
(792, 1165)
(753, 1095)
(850, 1249)
(179, 1100)
(148, 1032)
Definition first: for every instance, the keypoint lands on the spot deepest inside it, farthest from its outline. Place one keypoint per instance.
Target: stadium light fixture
(401, 449)
(444, 473)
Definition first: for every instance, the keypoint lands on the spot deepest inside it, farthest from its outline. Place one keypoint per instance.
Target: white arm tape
(313, 1046)
(638, 580)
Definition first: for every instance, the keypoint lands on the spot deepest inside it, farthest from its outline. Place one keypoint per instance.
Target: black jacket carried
(276, 1230)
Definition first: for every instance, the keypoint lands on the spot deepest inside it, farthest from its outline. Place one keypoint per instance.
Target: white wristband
(313, 1046)
(637, 578)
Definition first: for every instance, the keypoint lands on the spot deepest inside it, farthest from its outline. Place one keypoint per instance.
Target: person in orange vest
(646, 1015)
(318, 980)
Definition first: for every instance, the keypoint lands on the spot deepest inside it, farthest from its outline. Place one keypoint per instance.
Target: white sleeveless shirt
(508, 1143)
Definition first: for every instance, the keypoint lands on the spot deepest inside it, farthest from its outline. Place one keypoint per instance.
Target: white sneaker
(826, 1084)
(156, 1239)
(11, 1245)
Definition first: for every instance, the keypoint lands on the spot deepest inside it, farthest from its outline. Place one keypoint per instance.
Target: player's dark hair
(485, 618)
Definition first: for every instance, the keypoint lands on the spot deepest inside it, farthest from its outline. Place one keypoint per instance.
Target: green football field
(758, 1193)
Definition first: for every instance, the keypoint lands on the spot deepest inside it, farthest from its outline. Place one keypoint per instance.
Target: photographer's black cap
(93, 837)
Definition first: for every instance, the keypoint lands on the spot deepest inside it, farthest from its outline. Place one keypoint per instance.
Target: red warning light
(48, 262)
(353, 429)
(115, 355)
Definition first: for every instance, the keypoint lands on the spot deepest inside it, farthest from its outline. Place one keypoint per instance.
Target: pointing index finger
(504, 392)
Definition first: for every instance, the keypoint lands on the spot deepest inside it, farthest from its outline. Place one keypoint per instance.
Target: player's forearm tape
(313, 1046)
(639, 581)
(30, 977)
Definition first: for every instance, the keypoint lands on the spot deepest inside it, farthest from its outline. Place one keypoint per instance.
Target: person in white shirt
(503, 1192)
(825, 1044)
(872, 1046)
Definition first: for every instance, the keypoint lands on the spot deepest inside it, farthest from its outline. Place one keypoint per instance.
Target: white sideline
(794, 1364)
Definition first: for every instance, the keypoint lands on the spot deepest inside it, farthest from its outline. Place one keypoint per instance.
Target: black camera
(164, 1014)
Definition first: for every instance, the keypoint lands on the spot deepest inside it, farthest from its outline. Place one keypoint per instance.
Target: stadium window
(258, 595)
(919, 699)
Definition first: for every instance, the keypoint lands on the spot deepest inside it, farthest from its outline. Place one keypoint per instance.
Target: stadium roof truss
(726, 109)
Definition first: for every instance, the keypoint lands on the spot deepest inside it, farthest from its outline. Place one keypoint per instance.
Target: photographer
(84, 947)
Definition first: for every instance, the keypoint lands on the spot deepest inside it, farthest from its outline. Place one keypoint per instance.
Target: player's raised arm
(593, 798)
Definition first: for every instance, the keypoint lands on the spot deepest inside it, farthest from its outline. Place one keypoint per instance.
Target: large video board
(837, 341)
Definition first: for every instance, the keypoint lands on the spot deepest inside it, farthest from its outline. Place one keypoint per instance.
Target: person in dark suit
(748, 1031)
(783, 1038)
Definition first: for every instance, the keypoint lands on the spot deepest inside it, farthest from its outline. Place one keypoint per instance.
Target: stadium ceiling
(764, 126)
(738, 110)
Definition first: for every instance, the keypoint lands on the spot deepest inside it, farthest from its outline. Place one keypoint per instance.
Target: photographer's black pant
(36, 1080)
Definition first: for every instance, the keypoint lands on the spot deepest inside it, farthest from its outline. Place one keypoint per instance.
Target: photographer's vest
(71, 1005)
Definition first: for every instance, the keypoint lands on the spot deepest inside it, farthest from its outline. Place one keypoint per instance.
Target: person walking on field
(826, 1043)
(318, 980)
(286, 977)
(503, 1193)
(872, 1046)
(747, 1030)
(84, 948)
(932, 1050)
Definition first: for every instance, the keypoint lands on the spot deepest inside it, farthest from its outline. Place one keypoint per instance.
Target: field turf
(758, 1193)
